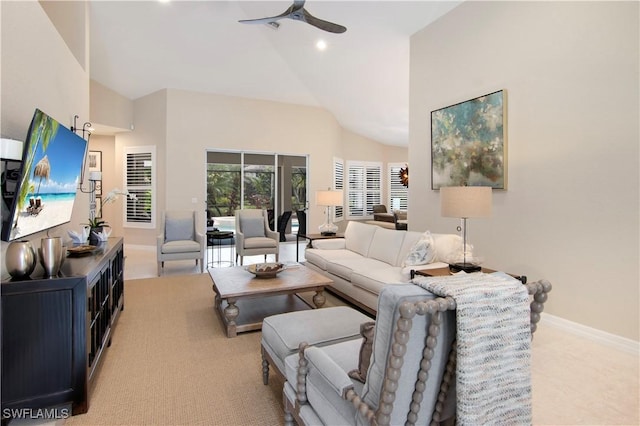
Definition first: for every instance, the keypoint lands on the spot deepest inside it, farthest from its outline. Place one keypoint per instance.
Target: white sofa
(370, 257)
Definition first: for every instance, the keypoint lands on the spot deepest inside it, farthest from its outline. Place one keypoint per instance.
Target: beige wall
(111, 212)
(570, 213)
(71, 19)
(150, 117)
(197, 122)
(109, 109)
(40, 71)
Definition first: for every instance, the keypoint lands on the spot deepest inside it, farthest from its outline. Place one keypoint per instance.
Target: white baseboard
(608, 339)
(139, 247)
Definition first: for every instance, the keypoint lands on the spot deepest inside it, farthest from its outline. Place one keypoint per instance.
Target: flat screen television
(52, 162)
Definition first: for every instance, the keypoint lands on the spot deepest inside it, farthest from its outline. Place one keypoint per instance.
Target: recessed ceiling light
(321, 45)
(164, 1)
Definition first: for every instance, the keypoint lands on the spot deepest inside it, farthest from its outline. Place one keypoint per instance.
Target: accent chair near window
(180, 239)
(253, 235)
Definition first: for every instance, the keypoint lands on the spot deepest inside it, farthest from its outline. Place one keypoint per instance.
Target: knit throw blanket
(493, 377)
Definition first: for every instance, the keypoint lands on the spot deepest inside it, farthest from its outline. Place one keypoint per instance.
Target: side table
(443, 272)
(312, 237)
(216, 238)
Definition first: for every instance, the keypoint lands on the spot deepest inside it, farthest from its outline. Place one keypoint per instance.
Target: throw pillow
(364, 360)
(422, 252)
(178, 229)
(253, 227)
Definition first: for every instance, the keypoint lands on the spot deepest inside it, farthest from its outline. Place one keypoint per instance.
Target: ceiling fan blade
(323, 25)
(285, 14)
(297, 12)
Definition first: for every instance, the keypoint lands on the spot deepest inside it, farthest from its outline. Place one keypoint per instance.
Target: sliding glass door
(244, 180)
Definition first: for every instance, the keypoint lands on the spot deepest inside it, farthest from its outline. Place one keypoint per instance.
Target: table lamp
(328, 199)
(465, 202)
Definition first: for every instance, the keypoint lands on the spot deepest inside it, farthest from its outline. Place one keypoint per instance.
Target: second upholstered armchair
(253, 235)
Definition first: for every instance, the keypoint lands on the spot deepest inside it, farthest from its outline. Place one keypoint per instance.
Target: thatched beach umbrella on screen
(42, 170)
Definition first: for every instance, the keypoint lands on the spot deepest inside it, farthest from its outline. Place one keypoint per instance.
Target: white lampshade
(465, 201)
(10, 149)
(328, 198)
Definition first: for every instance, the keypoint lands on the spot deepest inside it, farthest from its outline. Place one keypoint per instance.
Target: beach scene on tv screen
(51, 174)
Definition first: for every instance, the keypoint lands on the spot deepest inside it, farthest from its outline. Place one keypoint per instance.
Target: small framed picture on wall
(95, 161)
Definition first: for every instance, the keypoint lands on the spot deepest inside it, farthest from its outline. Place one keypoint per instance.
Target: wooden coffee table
(243, 301)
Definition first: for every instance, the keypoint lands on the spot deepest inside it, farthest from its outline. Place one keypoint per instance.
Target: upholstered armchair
(253, 235)
(408, 374)
(380, 213)
(180, 239)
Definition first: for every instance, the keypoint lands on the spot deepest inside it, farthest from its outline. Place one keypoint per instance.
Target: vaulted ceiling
(362, 77)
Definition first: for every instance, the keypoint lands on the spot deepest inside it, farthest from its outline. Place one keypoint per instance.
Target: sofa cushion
(328, 405)
(344, 268)
(320, 258)
(385, 246)
(181, 246)
(178, 225)
(329, 244)
(375, 279)
(259, 242)
(358, 237)
(253, 227)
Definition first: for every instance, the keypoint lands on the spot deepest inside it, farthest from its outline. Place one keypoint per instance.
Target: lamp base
(327, 234)
(466, 267)
(328, 228)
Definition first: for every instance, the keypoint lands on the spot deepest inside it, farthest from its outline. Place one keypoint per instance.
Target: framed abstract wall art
(469, 143)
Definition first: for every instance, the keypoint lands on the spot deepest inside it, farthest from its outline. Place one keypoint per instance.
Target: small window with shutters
(364, 188)
(140, 181)
(398, 193)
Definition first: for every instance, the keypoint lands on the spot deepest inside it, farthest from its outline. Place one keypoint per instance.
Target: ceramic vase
(93, 238)
(20, 259)
(51, 255)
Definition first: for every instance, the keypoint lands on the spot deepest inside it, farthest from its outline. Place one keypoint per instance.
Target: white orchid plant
(111, 197)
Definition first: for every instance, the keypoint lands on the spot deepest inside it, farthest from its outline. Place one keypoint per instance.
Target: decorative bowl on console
(265, 270)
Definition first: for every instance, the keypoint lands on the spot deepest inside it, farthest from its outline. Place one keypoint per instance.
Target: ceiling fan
(297, 12)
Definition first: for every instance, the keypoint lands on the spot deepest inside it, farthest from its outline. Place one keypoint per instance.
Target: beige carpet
(170, 363)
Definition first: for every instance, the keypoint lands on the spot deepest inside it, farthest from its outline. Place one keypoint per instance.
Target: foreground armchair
(417, 345)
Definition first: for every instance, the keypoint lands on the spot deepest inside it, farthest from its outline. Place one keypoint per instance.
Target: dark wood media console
(55, 330)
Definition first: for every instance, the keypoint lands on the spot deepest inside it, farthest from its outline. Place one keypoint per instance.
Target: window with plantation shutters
(338, 184)
(398, 193)
(140, 182)
(364, 188)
